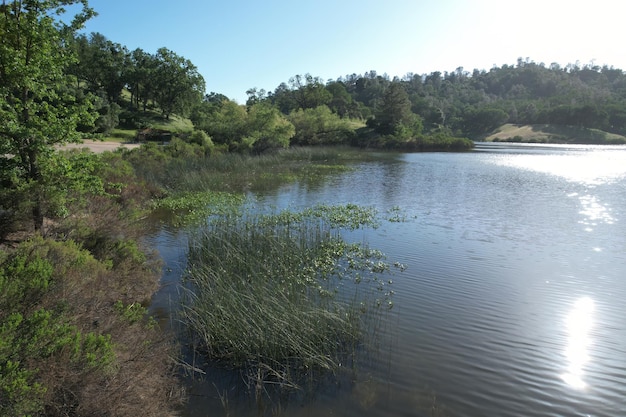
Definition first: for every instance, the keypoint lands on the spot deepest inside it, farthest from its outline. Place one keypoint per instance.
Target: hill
(549, 133)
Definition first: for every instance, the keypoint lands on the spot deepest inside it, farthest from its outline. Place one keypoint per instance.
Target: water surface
(513, 300)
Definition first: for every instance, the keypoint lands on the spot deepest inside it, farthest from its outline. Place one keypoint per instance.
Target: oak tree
(38, 107)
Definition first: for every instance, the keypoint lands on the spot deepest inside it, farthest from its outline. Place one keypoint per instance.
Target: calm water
(513, 303)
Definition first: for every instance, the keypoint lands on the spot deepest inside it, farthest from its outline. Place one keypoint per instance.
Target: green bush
(32, 334)
(23, 279)
(320, 126)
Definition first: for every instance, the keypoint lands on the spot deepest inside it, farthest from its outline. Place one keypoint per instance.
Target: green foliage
(484, 119)
(101, 65)
(128, 250)
(309, 91)
(20, 396)
(38, 334)
(69, 177)
(178, 148)
(349, 216)
(141, 80)
(196, 207)
(30, 334)
(200, 138)
(237, 173)
(148, 160)
(267, 129)
(320, 126)
(38, 107)
(23, 279)
(108, 116)
(179, 85)
(133, 312)
(395, 115)
(342, 102)
(258, 128)
(224, 122)
(66, 179)
(443, 142)
(93, 351)
(135, 120)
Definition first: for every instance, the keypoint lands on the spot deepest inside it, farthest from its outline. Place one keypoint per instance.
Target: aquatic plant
(281, 296)
(195, 207)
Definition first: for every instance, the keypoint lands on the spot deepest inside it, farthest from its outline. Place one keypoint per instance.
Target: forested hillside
(367, 109)
(474, 103)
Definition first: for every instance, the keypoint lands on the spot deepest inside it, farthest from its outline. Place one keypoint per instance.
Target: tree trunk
(35, 174)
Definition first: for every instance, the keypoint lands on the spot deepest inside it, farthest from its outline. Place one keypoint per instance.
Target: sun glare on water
(578, 323)
(590, 168)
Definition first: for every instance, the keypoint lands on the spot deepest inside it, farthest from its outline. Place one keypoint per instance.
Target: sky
(240, 44)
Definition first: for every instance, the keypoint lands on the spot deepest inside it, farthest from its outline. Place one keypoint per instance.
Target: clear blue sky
(239, 44)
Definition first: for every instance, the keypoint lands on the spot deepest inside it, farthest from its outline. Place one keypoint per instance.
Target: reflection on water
(579, 322)
(594, 212)
(583, 165)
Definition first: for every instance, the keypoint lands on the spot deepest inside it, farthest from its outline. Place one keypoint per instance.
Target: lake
(512, 303)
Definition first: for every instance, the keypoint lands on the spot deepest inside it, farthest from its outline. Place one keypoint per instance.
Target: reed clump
(281, 297)
(237, 173)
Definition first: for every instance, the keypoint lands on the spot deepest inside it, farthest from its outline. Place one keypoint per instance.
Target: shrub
(320, 126)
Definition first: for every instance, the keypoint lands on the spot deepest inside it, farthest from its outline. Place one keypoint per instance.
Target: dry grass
(526, 132)
(545, 133)
(98, 266)
(141, 379)
(142, 382)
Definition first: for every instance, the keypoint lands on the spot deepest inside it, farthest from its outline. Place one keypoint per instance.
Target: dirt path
(97, 146)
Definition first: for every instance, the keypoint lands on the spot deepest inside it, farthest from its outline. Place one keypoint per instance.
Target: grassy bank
(74, 341)
(74, 336)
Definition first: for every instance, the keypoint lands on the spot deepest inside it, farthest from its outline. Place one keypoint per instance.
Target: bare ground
(97, 146)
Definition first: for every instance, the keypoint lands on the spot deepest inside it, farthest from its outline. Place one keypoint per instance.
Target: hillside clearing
(545, 133)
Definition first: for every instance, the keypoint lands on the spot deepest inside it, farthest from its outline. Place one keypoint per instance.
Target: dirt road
(99, 147)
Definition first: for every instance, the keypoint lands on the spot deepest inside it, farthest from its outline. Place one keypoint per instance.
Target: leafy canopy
(38, 104)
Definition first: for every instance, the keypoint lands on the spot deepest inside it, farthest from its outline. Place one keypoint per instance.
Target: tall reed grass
(238, 173)
(280, 296)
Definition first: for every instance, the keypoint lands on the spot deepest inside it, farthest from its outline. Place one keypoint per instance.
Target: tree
(102, 65)
(258, 128)
(255, 96)
(483, 120)
(37, 107)
(225, 122)
(309, 92)
(341, 102)
(141, 77)
(395, 113)
(179, 85)
(267, 129)
(283, 98)
(102, 68)
(320, 126)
